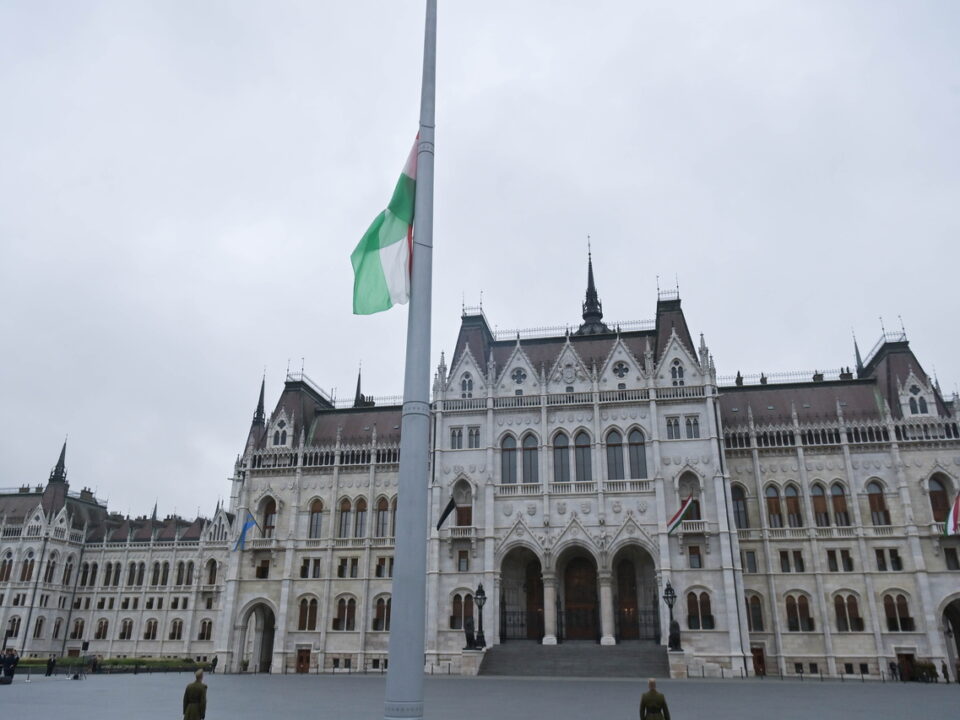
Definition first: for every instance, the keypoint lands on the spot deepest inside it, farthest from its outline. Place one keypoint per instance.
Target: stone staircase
(637, 659)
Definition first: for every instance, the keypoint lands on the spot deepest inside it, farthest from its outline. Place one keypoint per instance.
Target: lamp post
(480, 597)
(670, 597)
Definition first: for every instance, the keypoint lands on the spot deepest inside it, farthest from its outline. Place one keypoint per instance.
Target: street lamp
(670, 597)
(480, 597)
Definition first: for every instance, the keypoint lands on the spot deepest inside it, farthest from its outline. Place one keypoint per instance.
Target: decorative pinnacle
(258, 416)
(59, 473)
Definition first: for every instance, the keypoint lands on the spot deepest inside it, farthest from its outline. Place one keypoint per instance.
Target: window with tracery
(518, 376)
(676, 373)
(879, 514)
(466, 385)
(508, 460)
(582, 457)
(614, 455)
(620, 369)
(561, 458)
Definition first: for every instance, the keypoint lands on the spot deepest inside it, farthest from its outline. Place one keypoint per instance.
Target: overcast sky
(181, 185)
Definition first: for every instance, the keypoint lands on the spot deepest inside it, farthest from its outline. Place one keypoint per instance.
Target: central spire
(59, 473)
(592, 307)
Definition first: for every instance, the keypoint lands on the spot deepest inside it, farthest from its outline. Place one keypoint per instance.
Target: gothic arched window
(676, 373)
(466, 385)
(741, 518)
(531, 459)
(561, 458)
(774, 513)
(794, 513)
(841, 516)
(939, 504)
(614, 455)
(879, 513)
(508, 460)
(638, 455)
(582, 457)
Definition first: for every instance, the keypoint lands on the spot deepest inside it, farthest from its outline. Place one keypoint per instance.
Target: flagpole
(404, 694)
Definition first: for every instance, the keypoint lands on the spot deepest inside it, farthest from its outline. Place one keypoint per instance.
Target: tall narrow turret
(592, 307)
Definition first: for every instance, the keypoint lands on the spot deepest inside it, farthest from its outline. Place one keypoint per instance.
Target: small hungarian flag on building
(681, 513)
(952, 525)
(382, 260)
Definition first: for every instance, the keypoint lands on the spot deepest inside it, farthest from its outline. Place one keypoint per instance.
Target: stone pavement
(342, 697)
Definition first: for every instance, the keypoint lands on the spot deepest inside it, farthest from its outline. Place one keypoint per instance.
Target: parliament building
(813, 542)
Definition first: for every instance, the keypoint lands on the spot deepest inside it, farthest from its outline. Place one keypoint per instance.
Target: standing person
(10, 661)
(51, 664)
(195, 699)
(213, 665)
(653, 705)
(943, 669)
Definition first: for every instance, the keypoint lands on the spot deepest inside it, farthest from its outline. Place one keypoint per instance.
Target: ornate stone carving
(562, 507)
(642, 507)
(617, 507)
(531, 509)
(508, 509)
(585, 507)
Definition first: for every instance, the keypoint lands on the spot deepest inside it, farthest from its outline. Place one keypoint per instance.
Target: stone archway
(521, 596)
(579, 618)
(636, 605)
(256, 642)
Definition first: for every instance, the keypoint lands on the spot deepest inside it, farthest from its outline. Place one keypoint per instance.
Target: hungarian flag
(681, 513)
(383, 258)
(952, 525)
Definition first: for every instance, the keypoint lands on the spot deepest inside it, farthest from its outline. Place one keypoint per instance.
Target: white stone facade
(811, 545)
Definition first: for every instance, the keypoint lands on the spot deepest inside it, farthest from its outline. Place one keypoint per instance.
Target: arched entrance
(951, 623)
(580, 608)
(636, 606)
(521, 596)
(256, 649)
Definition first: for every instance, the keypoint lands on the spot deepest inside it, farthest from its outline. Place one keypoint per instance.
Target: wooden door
(580, 591)
(534, 601)
(303, 660)
(759, 662)
(905, 661)
(627, 615)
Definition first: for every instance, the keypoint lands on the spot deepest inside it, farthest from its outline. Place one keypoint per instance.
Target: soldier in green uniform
(653, 705)
(195, 699)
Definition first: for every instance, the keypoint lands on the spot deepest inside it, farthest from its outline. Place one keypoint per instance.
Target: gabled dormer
(569, 373)
(678, 366)
(280, 430)
(518, 377)
(466, 377)
(916, 397)
(621, 370)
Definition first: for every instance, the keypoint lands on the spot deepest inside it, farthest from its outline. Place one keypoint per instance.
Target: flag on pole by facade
(681, 513)
(250, 522)
(952, 525)
(451, 506)
(382, 259)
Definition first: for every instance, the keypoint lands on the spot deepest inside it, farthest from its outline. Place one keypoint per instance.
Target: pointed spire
(592, 307)
(153, 515)
(856, 352)
(258, 416)
(59, 473)
(358, 398)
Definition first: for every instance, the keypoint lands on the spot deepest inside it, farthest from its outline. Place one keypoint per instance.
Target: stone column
(549, 609)
(606, 609)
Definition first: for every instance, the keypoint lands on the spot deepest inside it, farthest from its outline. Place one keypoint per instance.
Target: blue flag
(250, 522)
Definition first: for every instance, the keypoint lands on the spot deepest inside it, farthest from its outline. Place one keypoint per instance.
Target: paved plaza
(156, 697)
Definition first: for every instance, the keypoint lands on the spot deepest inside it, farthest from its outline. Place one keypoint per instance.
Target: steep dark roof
(772, 404)
(355, 425)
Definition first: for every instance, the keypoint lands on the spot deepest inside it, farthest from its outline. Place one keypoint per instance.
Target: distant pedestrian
(946, 673)
(9, 663)
(653, 705)
(894, 671)
(213, 665)
(195, 699)
(51, 664)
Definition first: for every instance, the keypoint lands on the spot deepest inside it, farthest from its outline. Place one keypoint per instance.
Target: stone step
(637, 659)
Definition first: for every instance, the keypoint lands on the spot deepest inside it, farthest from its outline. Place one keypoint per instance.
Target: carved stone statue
(673, 641)
(468, 631)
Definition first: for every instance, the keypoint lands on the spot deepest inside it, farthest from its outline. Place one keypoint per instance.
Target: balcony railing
(627, 486)
(514, 489)
(693, 527)
(462, 532)
(573, 488)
